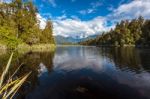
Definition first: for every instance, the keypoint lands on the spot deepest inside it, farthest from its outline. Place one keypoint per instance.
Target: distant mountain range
(62, 40)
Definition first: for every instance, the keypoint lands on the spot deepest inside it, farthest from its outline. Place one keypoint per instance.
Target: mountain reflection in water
(77, 72)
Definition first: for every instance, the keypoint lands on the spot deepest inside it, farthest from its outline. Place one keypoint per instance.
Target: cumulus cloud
(74, 27)
(42, 21)
(78, 28)
(132, 10)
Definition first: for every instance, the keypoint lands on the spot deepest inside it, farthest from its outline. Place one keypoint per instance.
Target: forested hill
(134, 32)
(19, 24)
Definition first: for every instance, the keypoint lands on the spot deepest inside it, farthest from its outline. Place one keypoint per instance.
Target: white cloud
(52, 2)
(78, 28)
(132, 10)
(75, 27)
(88, 11)
(62, 17)
(93, 9)
(42, 21)
(96, 4)
(75, 17)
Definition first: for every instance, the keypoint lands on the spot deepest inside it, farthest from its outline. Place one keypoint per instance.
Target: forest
(19, 25)
(135, 32)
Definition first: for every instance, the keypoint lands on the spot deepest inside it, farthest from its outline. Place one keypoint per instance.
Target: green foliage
(134, 32)
(47, 33)
(19, 24)
(7, 37)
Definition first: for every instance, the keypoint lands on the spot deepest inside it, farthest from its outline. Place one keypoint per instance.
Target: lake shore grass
(26, 48)
(37, 47)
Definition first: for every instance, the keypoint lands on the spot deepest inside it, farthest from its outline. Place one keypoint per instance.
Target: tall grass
(9, 87)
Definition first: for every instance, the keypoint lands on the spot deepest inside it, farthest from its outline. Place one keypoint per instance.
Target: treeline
(134, 32)
(19, 24)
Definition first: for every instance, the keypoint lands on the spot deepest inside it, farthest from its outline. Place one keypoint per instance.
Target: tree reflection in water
(78, 72)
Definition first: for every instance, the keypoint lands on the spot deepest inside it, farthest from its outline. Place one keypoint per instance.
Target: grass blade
(5, 71)
(16, 86)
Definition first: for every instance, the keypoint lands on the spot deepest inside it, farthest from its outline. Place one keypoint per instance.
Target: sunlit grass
(8, 85)
(37, 47)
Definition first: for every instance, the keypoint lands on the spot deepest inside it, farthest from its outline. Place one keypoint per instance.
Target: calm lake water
(77, 72)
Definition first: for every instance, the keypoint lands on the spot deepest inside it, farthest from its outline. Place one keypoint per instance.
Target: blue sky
(81, 18)
(83, 9)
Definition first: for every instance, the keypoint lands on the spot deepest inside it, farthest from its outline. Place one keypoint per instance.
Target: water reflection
(77, 58)
(31, 61)
(128, 58)
(78, 72)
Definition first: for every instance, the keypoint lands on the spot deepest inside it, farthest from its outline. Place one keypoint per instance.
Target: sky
(82, 18)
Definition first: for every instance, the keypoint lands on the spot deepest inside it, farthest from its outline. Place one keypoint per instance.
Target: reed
(8, 87)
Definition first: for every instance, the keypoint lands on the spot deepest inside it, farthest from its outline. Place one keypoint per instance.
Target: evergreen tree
(47, 34)
(133, 32)
(18, 24)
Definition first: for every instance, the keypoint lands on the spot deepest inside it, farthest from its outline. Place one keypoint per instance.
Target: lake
(83, 72)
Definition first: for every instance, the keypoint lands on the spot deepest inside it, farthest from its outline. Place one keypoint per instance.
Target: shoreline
(25, 47)
(37, 47)
(135, 46)
(52, 47)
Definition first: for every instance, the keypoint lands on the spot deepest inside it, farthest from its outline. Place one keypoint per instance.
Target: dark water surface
(78, 72)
